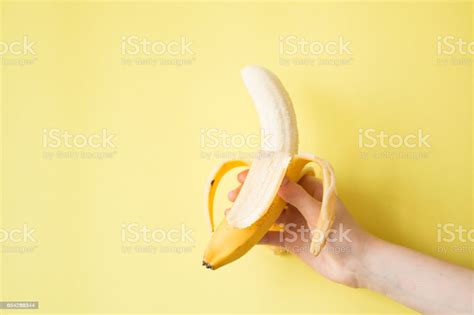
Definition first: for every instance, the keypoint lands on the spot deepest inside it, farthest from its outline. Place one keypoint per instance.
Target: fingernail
(285, 181)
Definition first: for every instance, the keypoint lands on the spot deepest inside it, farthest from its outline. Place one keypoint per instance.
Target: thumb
(298, 197)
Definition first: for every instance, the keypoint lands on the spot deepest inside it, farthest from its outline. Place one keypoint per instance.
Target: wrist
(368, 249)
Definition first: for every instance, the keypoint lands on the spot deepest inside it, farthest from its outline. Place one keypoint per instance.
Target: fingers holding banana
(297, 196)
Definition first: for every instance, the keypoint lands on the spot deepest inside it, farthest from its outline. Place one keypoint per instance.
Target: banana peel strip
(328, 204)
(213, 182)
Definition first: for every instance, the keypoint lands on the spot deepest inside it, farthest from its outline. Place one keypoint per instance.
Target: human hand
(347, 242)
(355, 258)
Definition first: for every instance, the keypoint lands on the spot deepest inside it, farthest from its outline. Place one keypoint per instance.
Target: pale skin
(361, 260)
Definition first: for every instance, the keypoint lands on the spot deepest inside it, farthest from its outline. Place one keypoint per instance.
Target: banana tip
(207, 265)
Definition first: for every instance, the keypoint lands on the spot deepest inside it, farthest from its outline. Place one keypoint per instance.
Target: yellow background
(157, 173)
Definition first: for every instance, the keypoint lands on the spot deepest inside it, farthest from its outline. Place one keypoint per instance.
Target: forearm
(421, 282)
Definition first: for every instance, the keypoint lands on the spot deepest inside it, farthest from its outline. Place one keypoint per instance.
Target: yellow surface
(155, 175)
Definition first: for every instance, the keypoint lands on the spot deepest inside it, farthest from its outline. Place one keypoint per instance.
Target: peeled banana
(258, 206)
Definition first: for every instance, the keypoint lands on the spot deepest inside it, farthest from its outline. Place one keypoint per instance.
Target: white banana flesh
(277, 119)
(275, 110)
